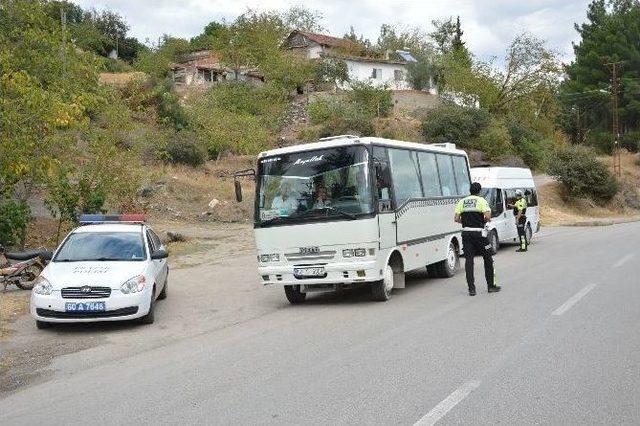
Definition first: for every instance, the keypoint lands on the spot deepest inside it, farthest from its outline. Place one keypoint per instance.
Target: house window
(376, 73)
(398, 75)
(206, 75)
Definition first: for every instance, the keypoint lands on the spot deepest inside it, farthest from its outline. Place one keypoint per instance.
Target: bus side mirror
(238, 188)
(236, 181)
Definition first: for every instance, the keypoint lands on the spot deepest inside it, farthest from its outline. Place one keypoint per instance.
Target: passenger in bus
(361, 186)
(286, 203)
(321, 199)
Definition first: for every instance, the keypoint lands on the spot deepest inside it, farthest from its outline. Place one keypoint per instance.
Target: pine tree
(610, 34)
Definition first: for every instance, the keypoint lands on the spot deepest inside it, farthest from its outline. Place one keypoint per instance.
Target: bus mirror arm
(236, 181)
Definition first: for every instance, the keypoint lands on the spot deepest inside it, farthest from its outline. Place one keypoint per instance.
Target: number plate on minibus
(309, 272)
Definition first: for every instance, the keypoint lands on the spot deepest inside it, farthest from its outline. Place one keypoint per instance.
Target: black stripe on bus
(427, 239)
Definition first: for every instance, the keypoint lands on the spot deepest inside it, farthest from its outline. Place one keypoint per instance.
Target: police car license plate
(317, 272)
(84, 306)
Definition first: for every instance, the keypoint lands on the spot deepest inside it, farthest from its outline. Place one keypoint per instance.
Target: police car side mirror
(159, 254)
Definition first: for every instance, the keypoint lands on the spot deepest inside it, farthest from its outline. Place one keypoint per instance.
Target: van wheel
(381, 290)
(448, 267)
(294, 295)
(494, 241)
(528, 232)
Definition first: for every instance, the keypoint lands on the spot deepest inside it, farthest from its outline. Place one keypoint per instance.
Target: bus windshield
(314, 185)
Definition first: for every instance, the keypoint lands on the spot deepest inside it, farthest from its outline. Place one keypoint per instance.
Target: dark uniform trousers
(522, 234)
(474, 243)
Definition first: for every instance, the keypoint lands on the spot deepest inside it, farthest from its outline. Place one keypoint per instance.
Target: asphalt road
(559, 345)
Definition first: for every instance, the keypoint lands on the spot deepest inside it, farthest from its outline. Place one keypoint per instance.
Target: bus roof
(347, 140)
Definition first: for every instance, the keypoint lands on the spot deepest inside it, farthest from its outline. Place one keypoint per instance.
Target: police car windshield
(325, 184)
(102, 246)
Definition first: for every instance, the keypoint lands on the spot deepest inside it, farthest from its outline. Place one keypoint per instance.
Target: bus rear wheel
(448, 267)
(294, 295)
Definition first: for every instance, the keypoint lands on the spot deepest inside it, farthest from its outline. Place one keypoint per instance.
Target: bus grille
(322, 255)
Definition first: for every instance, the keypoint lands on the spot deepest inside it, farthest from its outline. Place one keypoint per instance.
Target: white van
(499, 185)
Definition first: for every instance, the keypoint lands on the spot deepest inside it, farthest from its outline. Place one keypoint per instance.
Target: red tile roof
(326, 40)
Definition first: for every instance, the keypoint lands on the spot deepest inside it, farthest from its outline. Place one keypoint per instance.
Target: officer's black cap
(475, 188)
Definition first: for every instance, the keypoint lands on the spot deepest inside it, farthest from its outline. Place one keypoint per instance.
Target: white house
(379, 72)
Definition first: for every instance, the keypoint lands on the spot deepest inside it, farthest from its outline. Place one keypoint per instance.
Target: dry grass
(558, 208)
(121, 79)
(184, 193)
(13, 304)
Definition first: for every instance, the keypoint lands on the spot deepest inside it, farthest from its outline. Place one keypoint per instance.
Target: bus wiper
(273, 219)
(341, 212)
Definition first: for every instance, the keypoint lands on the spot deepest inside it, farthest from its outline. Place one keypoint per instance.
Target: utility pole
(615, 125)
(63, 20)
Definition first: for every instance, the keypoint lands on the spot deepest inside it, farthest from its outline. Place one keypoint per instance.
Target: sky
(488, 25)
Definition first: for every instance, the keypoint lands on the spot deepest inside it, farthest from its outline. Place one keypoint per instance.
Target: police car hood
(102, 274)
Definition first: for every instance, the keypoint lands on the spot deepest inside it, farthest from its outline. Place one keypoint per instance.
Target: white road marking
(440, 410)
(622, 261)
(573, 300)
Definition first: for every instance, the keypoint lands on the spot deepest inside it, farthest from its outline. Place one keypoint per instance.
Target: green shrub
(243, 98)
(115, 65)
(630, 141)
(494, 140)
(602, 142)
(578, 169)
(183, 148)
(373, 101)
(168, 105)
(455, 124)
(14, 217)
(339, 116)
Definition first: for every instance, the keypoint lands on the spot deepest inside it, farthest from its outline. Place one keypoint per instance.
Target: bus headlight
(273, 257)
(359, 252)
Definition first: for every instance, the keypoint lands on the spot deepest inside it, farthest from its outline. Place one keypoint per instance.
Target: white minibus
(350, 211)
(499, 185)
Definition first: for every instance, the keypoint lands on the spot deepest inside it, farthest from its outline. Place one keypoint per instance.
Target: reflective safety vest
(520, 206)
(471, 210)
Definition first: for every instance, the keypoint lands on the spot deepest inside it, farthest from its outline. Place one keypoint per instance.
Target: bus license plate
(84, 307)
(309, 273)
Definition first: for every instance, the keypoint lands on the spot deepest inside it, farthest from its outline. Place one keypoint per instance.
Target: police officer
(519, 211)
(473, 212)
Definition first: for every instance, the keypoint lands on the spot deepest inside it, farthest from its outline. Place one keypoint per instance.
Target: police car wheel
(43, 325)
(528, 232)
(494, 241)
(150, 317)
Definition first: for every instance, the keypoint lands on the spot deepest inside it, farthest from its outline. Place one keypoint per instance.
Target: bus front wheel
(294, 295)
(381, 290)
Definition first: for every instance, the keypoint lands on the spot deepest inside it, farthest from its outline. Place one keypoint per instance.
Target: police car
(110, 268)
